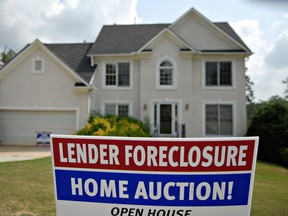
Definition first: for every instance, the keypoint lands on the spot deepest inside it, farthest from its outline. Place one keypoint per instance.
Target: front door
(165, 119)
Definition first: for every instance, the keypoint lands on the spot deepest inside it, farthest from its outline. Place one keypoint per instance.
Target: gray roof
(225, 27)
(120, 39)
(75, 56)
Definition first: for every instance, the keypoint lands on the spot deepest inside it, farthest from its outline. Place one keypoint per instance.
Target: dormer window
(38, 65)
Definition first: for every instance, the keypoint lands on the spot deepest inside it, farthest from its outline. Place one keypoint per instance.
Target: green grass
(270, 194)
(26, 189)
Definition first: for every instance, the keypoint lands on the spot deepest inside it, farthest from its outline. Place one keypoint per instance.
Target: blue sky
(262, 24)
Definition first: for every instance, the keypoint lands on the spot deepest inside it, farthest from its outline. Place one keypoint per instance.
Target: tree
(249, 91)
(286, 88)
(270, 123)
(6, 55)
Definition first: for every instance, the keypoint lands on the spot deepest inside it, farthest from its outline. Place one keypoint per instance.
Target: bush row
(270, 123)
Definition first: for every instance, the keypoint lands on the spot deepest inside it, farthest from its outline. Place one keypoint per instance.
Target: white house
(187, 78)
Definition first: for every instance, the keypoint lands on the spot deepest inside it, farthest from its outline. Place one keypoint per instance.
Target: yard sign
(116, 176)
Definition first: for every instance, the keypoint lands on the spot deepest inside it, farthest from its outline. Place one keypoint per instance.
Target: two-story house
(186, 78)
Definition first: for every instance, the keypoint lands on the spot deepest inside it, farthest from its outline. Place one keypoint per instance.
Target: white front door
(166, 119)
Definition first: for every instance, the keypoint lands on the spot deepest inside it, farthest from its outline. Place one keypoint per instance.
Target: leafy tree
(286, 88)
(6, 55)
(249, 91)
(270, 123)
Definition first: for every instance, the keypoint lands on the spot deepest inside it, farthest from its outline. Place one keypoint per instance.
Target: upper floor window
(166, 74)
(38, 65)
(117, 74)
(218, 73)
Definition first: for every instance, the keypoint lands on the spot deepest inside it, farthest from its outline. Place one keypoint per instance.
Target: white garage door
(21, 127)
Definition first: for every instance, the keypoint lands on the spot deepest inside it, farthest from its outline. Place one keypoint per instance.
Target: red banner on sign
(154, 155)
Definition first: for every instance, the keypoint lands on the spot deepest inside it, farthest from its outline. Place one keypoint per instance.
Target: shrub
(115, 126)
(270, 123)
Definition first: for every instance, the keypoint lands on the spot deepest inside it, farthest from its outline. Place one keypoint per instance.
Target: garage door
(21, 127)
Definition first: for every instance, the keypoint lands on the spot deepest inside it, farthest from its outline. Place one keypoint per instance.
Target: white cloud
(56, 21)
(277, 57)
(267, 51)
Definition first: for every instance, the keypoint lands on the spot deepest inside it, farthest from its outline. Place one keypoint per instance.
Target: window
(219, 119)
(166, 73)
(117, 74)
(38, 65)
(218, 73)
(110, 74)
(116, 109)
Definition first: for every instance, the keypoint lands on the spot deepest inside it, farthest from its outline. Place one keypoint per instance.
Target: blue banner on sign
(153, 189)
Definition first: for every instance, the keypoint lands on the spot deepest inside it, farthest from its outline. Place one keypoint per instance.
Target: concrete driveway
(19, 153)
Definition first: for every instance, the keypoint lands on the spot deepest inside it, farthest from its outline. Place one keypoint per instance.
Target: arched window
(166, 73)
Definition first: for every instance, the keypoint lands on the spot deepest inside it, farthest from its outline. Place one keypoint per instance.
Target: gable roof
(176, 38)
(75, 56)
(124, 39)
(127, 39)
(222, 27)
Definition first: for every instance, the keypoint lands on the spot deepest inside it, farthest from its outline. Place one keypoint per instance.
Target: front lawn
(26, 189)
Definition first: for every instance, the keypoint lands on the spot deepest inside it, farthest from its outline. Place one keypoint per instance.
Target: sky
(262, 25)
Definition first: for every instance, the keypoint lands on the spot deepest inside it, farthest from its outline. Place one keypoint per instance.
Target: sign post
(118, 176)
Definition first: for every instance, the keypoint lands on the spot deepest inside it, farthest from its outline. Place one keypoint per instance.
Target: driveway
(19, 153)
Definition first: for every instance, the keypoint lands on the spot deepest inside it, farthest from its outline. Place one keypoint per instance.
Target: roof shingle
(119, 39)
(126, 39)
(75, 56)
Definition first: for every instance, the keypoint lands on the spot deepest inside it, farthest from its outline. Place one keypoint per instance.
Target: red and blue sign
(107, 174)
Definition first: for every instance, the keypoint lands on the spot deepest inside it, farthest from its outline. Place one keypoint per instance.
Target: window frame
(34, 61)
(117, 86)
(219, 104)
(117, 104)
(218, 86)
(160, 86)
